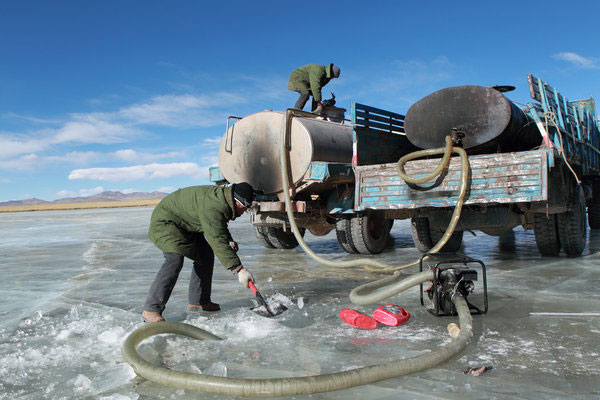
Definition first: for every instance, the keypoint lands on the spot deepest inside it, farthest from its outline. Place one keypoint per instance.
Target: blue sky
(134, 95)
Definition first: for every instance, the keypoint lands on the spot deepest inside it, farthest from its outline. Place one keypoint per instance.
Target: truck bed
(495, 179)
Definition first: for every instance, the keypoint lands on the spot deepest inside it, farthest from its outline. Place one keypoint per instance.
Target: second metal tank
(488, 120)
(249, 150)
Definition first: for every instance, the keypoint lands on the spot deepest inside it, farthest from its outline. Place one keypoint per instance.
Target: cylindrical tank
(490, 122)
(249, 150)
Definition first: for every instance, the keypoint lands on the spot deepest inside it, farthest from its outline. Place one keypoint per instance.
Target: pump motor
(453, 274)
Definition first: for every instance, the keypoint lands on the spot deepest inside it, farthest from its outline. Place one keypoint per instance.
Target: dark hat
(335, 71)
(244, 193)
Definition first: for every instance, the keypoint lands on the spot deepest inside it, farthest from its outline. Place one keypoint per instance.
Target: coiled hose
(286, 386)
(310, 384)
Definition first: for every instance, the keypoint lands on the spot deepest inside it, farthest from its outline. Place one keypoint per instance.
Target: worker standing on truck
(308, 80)
(192, 223)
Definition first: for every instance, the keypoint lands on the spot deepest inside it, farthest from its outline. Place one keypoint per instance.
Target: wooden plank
(374, 110)
(498, 178)
(364, 118)
(383, 127)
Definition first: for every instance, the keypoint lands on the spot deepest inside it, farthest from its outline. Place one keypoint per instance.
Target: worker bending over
(308, 80)
(192, 223)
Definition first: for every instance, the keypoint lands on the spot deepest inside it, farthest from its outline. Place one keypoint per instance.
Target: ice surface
(74, 283)
(217, 369)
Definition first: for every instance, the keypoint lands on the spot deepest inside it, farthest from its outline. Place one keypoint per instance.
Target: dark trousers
(200, 282)
(301, 102)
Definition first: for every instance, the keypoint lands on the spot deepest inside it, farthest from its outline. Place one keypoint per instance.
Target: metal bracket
(228, 139)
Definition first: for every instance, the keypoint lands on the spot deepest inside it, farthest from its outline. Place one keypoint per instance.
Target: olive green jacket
(310, 77)
(182, 215)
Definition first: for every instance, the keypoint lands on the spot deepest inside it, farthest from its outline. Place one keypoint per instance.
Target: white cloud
(27, 162)
(131, 155)
(212, 142)
(66, 193)
(166, 189)
(11, 146)
(94, 128)
(91, 192)
(128, 190)
(577, 60)
(149, 171)
(82, 192)
(125, 124)
(181, 111)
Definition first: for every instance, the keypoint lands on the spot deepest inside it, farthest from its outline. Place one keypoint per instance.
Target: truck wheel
(261, 235)
(572, 228)
(452, 245)
(419, 227)
(283, 239)
(546, 234)
(370, 233)
(594, 215)
(343, 231)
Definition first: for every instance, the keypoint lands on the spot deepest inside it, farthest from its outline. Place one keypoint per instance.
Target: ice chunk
(300, 303)
(280, 298)
(112, 336)
(63, 335)
(112, 378)
(217, 369)
(74, 313)
(117, 396)
(81, 383)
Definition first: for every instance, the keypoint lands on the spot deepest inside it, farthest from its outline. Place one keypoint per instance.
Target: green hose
(365, 294)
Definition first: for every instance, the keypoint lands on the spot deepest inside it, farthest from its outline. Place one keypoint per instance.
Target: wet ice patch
(217, 369)
(114, 335)
(112, 378)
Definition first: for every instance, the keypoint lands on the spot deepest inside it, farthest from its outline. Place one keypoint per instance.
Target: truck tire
(370, 233)
(343, 231)
(424, 238)
(572, 227)
(546, 234)
(419, 227)
(281, 239)
(594, 215)
(452, 245)
(261, 235)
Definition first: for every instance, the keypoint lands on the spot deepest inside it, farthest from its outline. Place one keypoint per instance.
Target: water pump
(453, 274)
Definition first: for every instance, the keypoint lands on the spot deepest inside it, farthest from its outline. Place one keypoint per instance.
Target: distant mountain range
(104, 196)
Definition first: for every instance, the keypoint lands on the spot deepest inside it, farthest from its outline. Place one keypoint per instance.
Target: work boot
(210, 306)
(152, 316)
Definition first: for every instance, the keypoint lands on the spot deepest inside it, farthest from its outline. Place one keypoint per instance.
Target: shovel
(263, 307)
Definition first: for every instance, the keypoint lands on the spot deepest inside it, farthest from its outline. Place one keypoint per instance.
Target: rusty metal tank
(489, 121)
(249, 150)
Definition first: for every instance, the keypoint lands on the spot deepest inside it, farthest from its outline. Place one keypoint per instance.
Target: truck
(542, 175)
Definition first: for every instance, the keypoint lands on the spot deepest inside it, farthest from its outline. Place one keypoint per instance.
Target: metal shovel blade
(272, 310)
(263, 307)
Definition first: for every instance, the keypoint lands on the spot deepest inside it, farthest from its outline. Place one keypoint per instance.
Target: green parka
(310, 77)
(196, 209)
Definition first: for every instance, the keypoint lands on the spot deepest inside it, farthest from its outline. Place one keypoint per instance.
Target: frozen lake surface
(74, 282)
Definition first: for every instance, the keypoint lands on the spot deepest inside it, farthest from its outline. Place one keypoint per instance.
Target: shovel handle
(252, 287)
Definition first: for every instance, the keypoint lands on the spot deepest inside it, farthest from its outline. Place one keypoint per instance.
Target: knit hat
(244, 193)
(335, 71)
